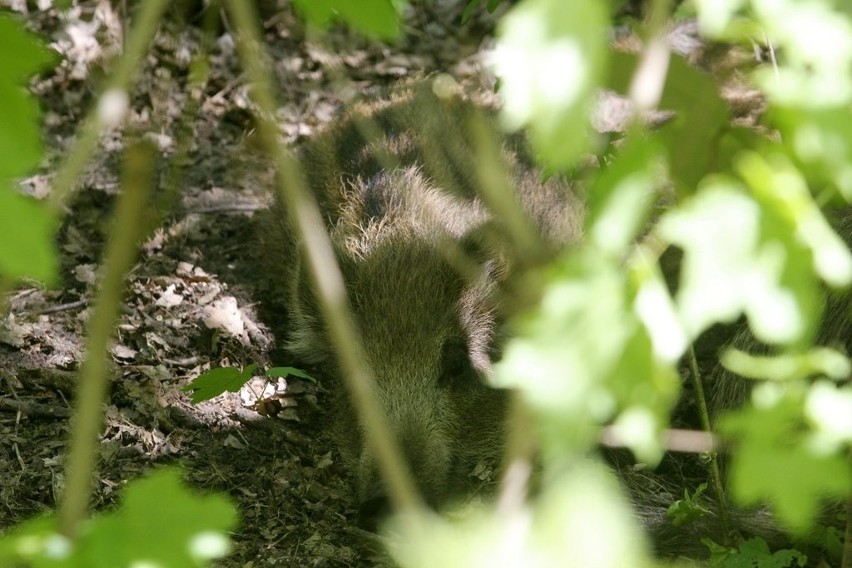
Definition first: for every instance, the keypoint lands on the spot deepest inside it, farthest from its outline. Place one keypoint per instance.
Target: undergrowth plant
(600, 349)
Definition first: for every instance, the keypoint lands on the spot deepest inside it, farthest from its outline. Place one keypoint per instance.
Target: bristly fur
(401, 207)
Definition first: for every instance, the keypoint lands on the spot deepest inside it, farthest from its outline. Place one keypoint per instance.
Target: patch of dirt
(193, 298)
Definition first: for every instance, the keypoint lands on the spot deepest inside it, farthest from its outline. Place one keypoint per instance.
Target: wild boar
(397, 184)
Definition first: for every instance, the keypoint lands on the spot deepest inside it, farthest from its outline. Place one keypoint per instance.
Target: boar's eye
(456, 368)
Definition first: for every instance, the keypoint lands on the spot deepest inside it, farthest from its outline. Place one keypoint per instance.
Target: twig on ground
(33, 408)
(61, 307)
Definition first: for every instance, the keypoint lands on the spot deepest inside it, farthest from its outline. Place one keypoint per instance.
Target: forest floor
(197, 298)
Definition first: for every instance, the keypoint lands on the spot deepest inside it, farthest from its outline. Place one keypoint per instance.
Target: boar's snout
(372, 510)
(429, 462)
(423, 428)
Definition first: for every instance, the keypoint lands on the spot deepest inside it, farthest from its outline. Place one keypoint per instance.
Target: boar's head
(427, 334)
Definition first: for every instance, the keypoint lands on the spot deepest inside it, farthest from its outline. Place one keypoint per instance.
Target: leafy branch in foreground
(159, 522)
(602, 345)
(26, 227)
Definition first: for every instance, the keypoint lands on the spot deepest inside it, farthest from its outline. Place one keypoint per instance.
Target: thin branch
(33, 408)
(88, 404)
(715, 474)
(327, 279)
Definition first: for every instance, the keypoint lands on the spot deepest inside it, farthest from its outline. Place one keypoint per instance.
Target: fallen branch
(33, 408)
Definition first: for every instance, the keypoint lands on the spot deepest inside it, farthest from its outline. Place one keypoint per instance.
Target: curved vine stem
(323, 267)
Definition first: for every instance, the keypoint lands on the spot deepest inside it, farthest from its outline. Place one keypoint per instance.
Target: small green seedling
(753, 553)
(689, 508)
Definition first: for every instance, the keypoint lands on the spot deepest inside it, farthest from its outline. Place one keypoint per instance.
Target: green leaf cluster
(550, 57)
(753, 553)
(159, 523)
(746, 210)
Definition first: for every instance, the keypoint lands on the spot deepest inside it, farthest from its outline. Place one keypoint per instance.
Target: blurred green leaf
(216, 381)
(565, 348)
(285, 372)
(550, 57)
(377, 18)
(654, 307)
(20, 136)
(582, 358)
(790, 213)
(811, 40)
(741, 257)
(621, 196)
(776, 459)
(620, 71)
(159, 523)
(645, 390)
(27, 232)
(162, 523)
(26, 227)
(37, 542)
(828, 408)
(31, 55)
(822, 140)
(815, 42)
(734, 141)
(787, 366)
(715, 16)
(692, 138)
(576, 516)
(580, 516)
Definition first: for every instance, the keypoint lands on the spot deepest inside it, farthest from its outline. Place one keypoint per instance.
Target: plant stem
(520, 453)
(92, 387)
(327, 279)
(646, 86)
(715, 474)
(846, 562)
